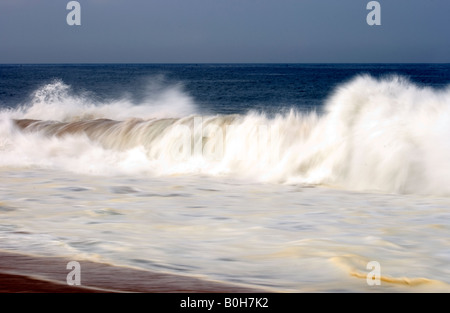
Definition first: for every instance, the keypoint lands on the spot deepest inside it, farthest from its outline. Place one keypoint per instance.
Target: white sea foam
(387, 135)
(56, 101)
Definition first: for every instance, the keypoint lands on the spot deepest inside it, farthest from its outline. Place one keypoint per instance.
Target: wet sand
(33, 274)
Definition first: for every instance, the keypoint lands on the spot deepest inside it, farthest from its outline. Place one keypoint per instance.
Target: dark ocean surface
(216, 88)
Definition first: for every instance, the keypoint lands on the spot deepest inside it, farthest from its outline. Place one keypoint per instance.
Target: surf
(385, 135)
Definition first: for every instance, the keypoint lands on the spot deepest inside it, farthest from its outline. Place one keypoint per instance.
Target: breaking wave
(386, 135)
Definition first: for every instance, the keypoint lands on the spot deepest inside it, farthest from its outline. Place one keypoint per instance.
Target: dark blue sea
(216, 88)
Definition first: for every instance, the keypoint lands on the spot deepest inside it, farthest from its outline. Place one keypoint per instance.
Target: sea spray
(387, 135)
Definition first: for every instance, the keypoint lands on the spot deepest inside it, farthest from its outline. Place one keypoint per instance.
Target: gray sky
(210, 31)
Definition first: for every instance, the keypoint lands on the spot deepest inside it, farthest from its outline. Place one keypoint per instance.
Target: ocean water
(288, 177)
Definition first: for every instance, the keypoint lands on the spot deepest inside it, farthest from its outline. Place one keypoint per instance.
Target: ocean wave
(386, 135)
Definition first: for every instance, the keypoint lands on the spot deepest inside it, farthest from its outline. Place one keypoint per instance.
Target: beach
(33, 274)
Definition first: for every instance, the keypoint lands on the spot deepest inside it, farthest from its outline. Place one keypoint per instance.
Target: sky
(224, 31)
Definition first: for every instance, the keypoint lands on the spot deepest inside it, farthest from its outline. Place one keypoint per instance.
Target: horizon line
(214, 63)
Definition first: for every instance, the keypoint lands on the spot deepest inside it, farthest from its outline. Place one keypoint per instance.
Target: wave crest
(386, 135)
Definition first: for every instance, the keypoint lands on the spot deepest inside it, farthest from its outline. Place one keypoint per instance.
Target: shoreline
(21, 273)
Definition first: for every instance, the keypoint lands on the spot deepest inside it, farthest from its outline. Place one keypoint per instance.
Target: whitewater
(290, 201)
(383, 135)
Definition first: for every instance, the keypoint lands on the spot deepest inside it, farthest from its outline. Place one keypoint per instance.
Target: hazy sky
(194, 31)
